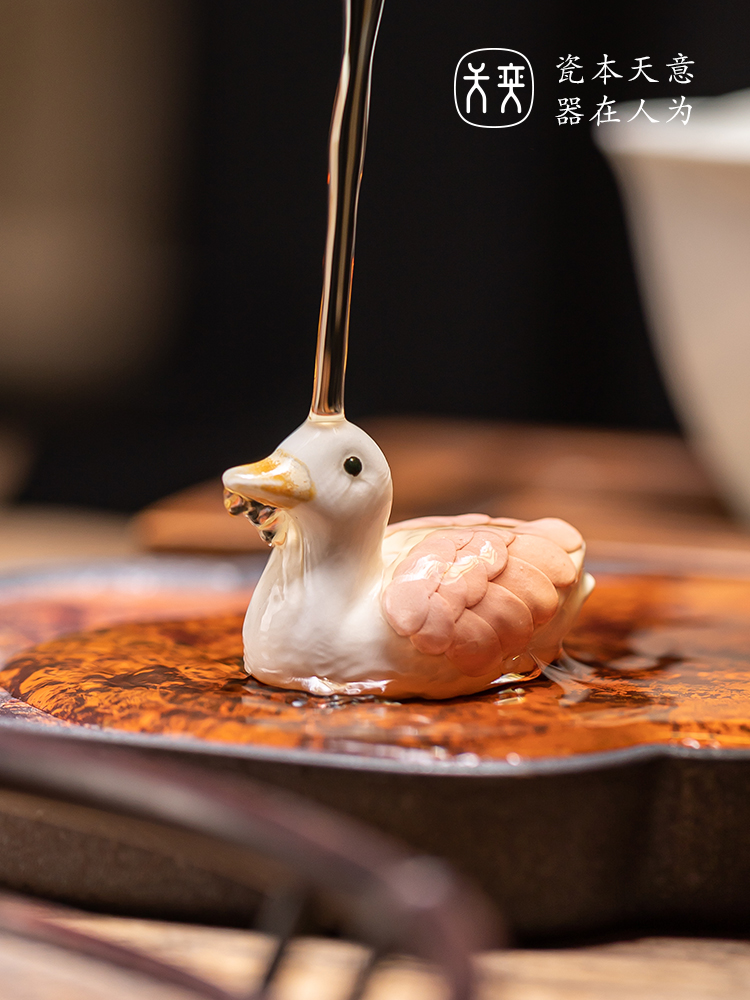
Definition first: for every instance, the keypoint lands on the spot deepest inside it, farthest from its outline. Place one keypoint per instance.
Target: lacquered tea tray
(620, 797)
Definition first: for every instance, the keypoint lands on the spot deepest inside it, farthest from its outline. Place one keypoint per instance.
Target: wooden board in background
(619, 486)
(317, 969)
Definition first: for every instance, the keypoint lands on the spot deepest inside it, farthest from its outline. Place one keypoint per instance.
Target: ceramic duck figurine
(434, 608)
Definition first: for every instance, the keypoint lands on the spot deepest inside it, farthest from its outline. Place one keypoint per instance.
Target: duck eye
(353, 465)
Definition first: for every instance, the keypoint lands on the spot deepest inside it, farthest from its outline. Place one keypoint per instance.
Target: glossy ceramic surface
(431, 608)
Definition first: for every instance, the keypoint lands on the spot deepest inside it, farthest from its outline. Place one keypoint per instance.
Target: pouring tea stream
(436, 607)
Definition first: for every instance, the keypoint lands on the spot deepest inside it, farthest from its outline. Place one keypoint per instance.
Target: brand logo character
(493, 88)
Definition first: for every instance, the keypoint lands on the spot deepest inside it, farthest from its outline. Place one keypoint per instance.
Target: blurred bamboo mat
(615, 486)
(318, 969)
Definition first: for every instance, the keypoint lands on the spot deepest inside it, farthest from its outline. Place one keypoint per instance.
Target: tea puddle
(651, 660)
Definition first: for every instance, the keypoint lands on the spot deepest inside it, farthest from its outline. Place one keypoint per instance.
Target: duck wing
(477, 588)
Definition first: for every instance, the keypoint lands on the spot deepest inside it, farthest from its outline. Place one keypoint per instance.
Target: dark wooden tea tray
(619, 799)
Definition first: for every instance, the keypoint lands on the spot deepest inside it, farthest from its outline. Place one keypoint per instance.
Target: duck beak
(280, 480)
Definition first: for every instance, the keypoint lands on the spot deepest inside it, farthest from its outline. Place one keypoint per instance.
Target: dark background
(492, 277)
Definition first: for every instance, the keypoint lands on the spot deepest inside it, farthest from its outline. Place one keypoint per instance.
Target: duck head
(328, 476)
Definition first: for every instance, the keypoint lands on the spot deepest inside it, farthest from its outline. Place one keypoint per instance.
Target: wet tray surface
(665, 660)
(596, 805)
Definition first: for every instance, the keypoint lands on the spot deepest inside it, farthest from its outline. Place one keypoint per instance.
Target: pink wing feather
(476, 588)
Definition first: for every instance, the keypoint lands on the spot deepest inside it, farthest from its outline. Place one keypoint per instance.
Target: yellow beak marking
(280, 477)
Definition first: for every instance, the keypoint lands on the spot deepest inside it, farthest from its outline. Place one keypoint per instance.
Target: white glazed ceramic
(437, 607)
(686, 190)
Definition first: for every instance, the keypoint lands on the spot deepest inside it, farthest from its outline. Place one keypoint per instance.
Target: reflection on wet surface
(652, 660)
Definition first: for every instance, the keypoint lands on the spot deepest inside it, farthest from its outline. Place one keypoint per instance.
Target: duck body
(431, 608)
